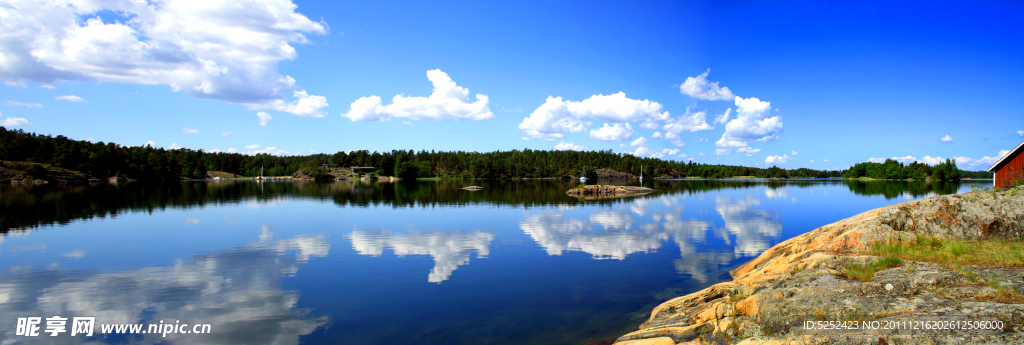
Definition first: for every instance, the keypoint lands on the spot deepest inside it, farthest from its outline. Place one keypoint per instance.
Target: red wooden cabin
(1010, 167)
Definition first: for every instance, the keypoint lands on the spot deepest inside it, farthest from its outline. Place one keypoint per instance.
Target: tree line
(893, 170)
(147, 163)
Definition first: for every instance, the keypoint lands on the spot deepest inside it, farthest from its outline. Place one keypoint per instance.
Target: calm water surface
(393, 263)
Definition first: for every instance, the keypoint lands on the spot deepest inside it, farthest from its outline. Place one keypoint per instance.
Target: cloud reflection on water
(449, 249)
(615, 234)
(238, 291)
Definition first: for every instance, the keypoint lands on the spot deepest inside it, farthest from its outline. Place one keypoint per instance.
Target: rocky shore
(800, 291)
(604, 191)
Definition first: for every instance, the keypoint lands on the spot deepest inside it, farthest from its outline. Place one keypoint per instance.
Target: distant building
(362, 169)
(329, 166)
(1008, 168)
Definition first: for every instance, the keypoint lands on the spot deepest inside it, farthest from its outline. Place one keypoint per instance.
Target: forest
(893, 170)
(146, 163)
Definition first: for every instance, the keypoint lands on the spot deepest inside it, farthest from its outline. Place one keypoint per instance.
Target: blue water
(394, 264)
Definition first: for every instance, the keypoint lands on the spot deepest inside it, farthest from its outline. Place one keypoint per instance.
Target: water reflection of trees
(29, 206)
(238, 291)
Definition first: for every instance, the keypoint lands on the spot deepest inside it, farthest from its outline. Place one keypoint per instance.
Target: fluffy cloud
(642, 152)
(750, 151)
(616, 132)
(228, 134)
(13, 121)
(174, 146)
(905, 159)
(150, 143)
(1020, 133)
(252, 147)
(569, 146)
(932, 161)
(876, 160)
(26, 105)
(700, 88)
(776, 159)
(724, 117)
(70, 98)
(946, 139)
(794, 153)
(189, 131)
(639, 142)
(555, 117)
(674, 139)
(264, 118)
(447, 102)
(667, 152)
(751, 124)
(688, 122)
(657, 135)
(218, 50)
(449, 250)
(723, 152)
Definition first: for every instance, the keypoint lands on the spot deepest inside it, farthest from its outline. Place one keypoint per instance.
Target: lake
(412, 262)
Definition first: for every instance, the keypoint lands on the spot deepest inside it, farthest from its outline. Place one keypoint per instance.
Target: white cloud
(150, 143)
(657, 135)
(749, 151)
(671, 152)
(981, 163)
(688, 122)
(812, 161)
(700, 88)
(751, 124)
(616, 132)
(264, 118)
(447, 102)
(69, 98)
(674, 139)
(876, 160)
(174, 146)
(1020, 133)
(213, 49)
(826, 160)
(513, 110)
(555, 117)
(933, 161)
(642, 152)
(639, 142)
(946, 139)
(232, 150)
(13, 121)
(622, 146)
(794, 153)
(723, 152)
(26, 105)
(702, 140)
(905, 159)
(47, 87)
(776, 160)
(408, 123)
(569, 146)
(228, 134)
(189, 131)
(724, 117)
(252, 147)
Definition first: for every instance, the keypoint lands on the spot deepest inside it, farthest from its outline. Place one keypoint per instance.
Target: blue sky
(804, 84)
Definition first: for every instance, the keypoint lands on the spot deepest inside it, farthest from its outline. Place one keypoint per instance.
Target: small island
(605, 191)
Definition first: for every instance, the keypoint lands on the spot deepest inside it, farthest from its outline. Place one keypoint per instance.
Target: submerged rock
(603, 191)
(797, 293)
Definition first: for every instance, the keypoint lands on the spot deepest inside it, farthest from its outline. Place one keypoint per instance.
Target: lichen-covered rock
(794, 290)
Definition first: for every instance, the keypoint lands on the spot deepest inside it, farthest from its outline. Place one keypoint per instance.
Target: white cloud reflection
(449, 249)
(238, 291)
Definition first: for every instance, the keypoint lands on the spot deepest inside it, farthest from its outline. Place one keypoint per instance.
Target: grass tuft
(864, 272)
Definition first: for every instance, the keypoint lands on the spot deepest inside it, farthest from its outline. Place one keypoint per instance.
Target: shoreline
(806, 279)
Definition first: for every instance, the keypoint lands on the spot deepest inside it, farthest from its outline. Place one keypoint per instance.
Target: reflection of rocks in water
(557, 234)
(449, 249)
(237, 291)
(753, 228)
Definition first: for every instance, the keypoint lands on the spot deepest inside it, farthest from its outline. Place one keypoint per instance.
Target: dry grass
(996, 252)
